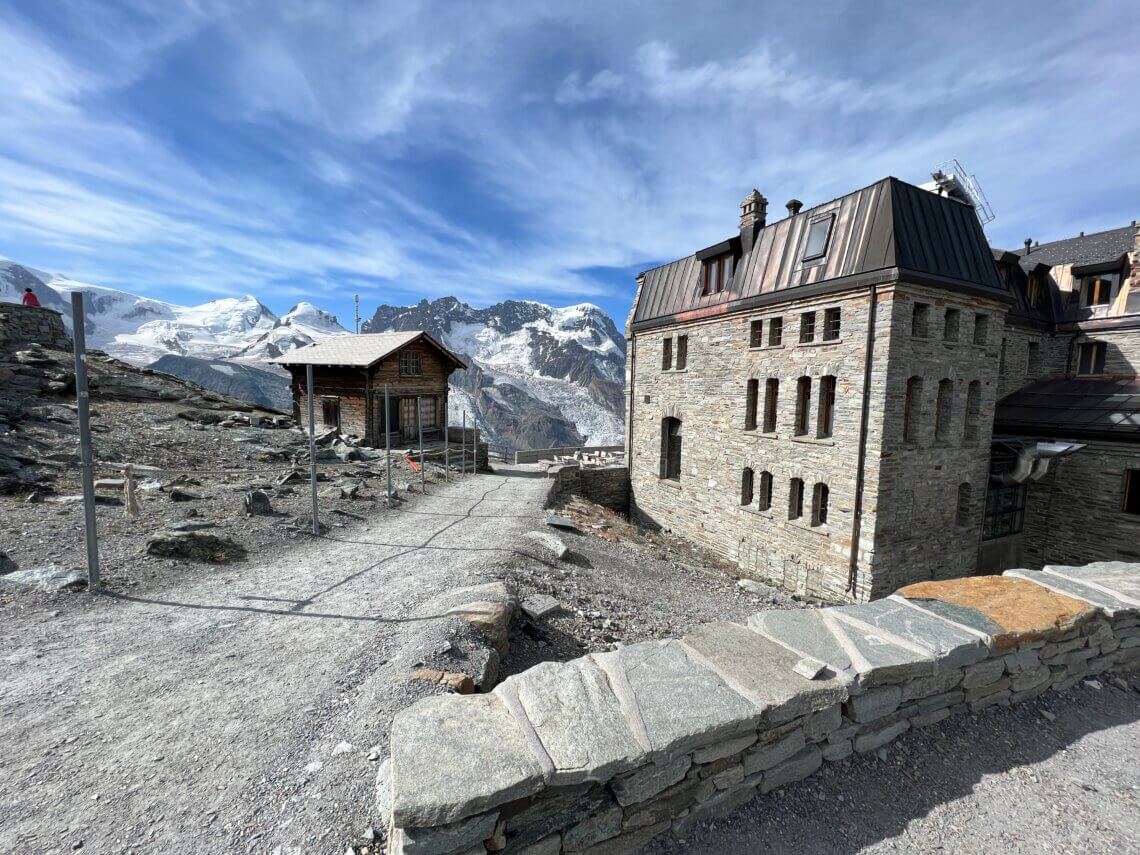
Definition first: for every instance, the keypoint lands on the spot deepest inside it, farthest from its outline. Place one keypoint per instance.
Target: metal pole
(388, 443)
(463, 446)
(446, 449)
(474, 447)
(86, 464)
(312, 447)
(420, 428)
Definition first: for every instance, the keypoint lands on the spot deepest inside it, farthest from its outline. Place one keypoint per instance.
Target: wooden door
(409, 431)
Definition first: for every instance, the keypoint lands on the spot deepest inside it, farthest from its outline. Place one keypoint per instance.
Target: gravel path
(1006, 780)
(237, 711)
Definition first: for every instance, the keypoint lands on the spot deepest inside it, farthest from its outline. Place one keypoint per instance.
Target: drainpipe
(1033, 461)
(864, 417)
(631, 367)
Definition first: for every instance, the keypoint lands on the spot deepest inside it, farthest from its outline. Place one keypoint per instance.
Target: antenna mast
(357, 299)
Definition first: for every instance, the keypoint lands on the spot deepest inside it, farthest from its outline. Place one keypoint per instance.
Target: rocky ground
(1058, 774)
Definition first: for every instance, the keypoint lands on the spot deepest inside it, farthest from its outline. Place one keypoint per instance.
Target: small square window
(1090, 358)
(819, 234)
(920, 320)
(950, 325)
(775, 332)
(756, 334)
(831, 325)
(1097, 290)
(411, 363)
(807, 327)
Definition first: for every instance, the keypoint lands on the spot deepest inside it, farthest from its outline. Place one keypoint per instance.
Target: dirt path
(237, 712)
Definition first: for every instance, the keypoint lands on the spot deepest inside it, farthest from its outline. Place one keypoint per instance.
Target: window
(973, 410)
(950, 325)
(746, 481)
(803, 403)
(715, 274)
(411, 362)
(756, 334)
(751, 395)
(1005, 510)
(963, 508)
(920, 320)
(943, 406)
(1001, 358)
(912, 408)
(1032, 359)
(819, 496)
(831, 325)
(427, 413)
(775, 332)
(330, 412)
(682, 351)
(826, 406)
(981, 329)
(1131, 503)
(764, 499)
(1096, 290)
(1034, 288)
(796, 499)
(818, 234)
(1090, 357)
(666, 354)
(671, 449)
(771, 394)
(807, 327)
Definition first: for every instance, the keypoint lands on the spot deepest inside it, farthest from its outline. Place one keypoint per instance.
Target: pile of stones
(603, 753)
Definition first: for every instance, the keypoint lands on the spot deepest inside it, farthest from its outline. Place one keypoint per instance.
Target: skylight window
(819, 234)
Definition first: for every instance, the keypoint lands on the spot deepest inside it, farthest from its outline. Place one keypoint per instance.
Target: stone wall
(534, 455)
(601, 754)
(608, 486)
(1014, 369)
(457, 437)
(22, 325)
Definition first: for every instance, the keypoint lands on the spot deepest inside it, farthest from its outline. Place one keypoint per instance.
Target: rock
(457, 756)
(952, 646)
(547, 542)
(577, 718)
(194, 546)
(187, 525)
(493, 620)
(50, 578)
(551, 810)
(34, 498)
(772, 754)
(794, 768)
(650, 780)
(876, 739)
(809, 668)
(177, 495)
(454, 837)
(539, 606)
(256, 503)
(682, 704)
(7, 565)
(556, 521)
(874, 703)
(599, 825)
(1048, 716)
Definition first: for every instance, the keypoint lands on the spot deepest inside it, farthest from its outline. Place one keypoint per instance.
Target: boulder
(256, 503)
(194, 546)
(547, 542)
(539, 606)
(7, 565)
(51, 578)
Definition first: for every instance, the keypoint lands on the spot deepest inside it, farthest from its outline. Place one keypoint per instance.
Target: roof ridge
(1081, 236)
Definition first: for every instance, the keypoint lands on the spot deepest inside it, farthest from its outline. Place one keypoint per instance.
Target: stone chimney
(1028, 245)
(794, 206)
(753, 216)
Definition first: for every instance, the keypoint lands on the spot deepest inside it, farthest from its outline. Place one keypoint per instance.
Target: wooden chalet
(350, 373)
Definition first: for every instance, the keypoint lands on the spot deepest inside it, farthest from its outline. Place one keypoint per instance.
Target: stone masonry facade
(22, 325)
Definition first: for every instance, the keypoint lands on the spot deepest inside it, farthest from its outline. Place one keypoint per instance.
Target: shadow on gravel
(852, 806)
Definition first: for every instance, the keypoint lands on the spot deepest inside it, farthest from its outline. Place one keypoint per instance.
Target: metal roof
(1078, 409)
(890, 224)
(1083, 249)
(361, 351)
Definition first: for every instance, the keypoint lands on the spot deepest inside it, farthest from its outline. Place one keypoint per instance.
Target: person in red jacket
(30, 298)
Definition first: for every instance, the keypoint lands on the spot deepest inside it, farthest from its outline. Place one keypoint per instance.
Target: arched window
(764, 500)
(803, 404)
(746, 484)
(942, 409)
(819, 497)
(826, 406)
(771, 399)
(912, 409)
(964, 507)
(671, 449)
(751, 398)
(796, 499)
(973, 410)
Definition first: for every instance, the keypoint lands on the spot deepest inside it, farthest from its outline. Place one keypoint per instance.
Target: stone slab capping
(603, 753)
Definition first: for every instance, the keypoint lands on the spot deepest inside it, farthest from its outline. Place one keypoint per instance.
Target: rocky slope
(232, 378)
(538, 375)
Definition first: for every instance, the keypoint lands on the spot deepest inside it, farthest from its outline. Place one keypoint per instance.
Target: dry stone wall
(608, 486)
(603, 753)
(23, 325)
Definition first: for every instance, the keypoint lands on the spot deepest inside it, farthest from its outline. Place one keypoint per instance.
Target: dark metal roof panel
(1093, 408)
(1084, 249)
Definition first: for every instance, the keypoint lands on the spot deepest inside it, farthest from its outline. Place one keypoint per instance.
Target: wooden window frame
(1095, 366)
(820, 498)
(671, 458)
(764, 496)
(411, 363)
(832, 320)
(716, 274)
(756, 334)
(775, 332)
(807, 327)
(1096, 289)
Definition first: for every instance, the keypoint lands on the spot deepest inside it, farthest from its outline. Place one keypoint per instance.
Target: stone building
(351, 372)
(814, 398)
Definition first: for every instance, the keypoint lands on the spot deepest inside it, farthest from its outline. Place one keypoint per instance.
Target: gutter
(864, 418)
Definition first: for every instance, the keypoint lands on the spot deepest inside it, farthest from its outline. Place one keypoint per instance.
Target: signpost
(388, 443)
(86, 463)
(312, 447)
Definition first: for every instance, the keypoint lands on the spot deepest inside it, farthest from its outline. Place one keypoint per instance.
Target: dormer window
(1096, 289)
(819, 235)
(1034, 288)
(715, 273)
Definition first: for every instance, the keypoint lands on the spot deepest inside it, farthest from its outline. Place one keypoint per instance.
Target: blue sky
(548, 151)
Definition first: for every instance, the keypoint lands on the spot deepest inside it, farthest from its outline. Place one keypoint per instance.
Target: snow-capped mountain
(539, 375)
(304, 324)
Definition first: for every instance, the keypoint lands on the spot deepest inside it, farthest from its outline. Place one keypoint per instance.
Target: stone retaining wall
(603, 753)
(608, 486)
(22, 325)
(534, 455)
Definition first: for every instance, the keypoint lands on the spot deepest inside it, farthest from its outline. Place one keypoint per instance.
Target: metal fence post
(312, 447)
(388, 443)
(420, 430)
(463, 446)
(446, 450)
(86, 464)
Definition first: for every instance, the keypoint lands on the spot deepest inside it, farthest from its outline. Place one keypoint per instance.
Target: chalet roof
(1077, 409)
(889, 227)
(1093, 248)
(359, 351)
